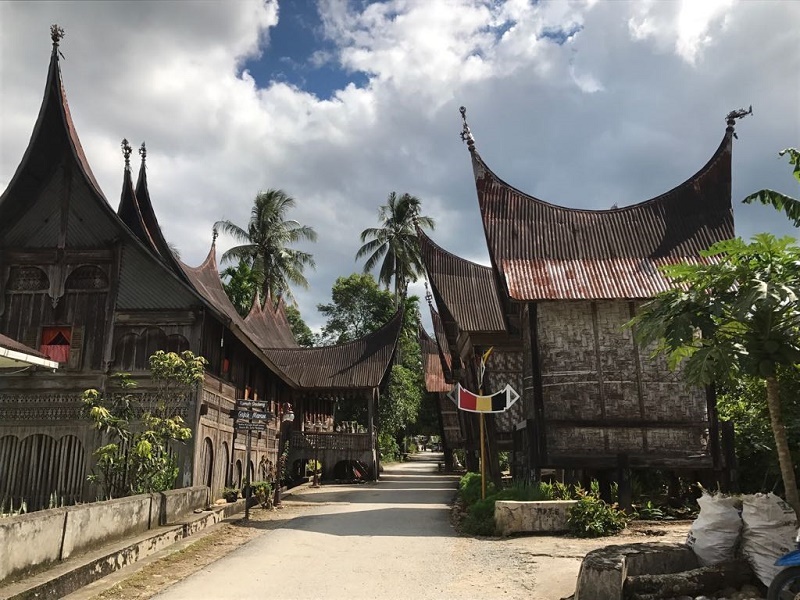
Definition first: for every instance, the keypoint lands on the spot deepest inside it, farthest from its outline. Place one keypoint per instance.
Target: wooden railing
(354, 442)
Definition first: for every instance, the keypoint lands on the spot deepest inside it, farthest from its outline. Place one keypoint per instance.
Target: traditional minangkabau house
(471, 319)
(567, 281)
(99, 291)
(437, 389)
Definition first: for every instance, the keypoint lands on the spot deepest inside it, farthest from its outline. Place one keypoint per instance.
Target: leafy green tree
(265, 245)
(302, 333)
(779, 201)
(744, 403)
(358, 307)
(394, 244)
(140, 457)
(240, 284)
(737, 316)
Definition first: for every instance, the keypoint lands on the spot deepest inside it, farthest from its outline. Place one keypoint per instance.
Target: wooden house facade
(98, 291)
(565, 282)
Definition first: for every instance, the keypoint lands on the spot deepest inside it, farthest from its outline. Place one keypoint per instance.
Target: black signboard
(251, 405)
(248, 426)
(248, 415)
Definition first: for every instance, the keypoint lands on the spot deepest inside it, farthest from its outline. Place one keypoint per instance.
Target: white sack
(768, 533)
(715, 532)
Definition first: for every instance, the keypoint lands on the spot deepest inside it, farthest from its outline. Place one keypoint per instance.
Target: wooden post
(624, 490)
(247, 468)
(483, 459)
(247, 479)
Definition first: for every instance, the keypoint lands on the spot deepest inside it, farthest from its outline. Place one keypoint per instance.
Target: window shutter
(31, 338)
(76, 348)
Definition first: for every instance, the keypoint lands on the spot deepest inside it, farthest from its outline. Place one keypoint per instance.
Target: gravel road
(390, 540)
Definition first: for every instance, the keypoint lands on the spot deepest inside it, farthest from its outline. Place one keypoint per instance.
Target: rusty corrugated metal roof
(362, 363)
(555, 252)
(432, 364)
(466, 288)
(590, 279)
(442, 344)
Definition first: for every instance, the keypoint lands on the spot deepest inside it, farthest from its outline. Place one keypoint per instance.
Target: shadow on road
(402, 522)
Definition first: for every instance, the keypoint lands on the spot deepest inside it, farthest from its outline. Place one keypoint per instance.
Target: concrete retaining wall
(48, 536)
(548, 516)
(604, 571)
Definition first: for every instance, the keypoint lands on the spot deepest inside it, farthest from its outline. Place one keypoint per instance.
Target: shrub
(480, 518)
(592, 517)
(262, 492)
(469, 488)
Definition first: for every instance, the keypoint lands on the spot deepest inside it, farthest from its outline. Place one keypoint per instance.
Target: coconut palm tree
(264, 245)
(394, 243)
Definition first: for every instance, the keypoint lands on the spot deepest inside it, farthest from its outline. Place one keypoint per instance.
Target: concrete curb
(72, 574)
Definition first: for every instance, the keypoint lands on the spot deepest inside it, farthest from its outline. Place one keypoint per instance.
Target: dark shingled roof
(432, 364)
(442, 344)
(544, 251)
(269, 325)
(362, 363)
(53, 129)
(205, 279)
(467, 289)
(148, 216)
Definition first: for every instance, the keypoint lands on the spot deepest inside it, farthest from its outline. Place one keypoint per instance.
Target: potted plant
(230, 494)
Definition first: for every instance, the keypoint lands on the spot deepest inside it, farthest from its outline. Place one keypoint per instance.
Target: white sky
(632, 104)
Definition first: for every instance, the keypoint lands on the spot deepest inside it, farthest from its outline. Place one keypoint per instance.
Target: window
(56, 343)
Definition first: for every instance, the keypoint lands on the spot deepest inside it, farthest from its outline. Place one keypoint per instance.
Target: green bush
(480, 518)
(469, 488)
(592, 517)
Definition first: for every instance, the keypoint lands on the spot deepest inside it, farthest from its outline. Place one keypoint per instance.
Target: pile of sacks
(760, 527)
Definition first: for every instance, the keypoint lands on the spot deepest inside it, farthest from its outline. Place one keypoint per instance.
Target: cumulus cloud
(581, 104)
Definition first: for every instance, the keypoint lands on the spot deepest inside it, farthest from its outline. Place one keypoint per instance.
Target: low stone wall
(547, 516)
(48, 536)
(604, 571)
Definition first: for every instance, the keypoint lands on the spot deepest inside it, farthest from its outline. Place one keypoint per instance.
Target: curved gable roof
(435, 380)
(362, 363)
(546, 251)
(269, 324)
(467, 289)
(53, 133)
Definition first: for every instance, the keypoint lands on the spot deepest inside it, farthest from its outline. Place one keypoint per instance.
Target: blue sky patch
(292, 57)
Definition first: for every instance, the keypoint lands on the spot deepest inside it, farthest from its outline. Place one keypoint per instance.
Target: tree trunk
(782, 445)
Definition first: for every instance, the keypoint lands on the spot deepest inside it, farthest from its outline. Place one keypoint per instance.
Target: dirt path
(378, 541)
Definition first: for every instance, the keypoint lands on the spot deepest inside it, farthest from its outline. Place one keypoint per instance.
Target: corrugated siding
(467, 289)
(545, 243)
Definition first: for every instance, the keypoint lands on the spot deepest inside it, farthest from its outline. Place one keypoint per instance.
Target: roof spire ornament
(214, 235)
(143, 152)
(126, 152)
(731, 117)
(466, 134)
(428, 295)
(56, 34)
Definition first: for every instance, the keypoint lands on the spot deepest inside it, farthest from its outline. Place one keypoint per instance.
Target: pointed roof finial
(428, 295)
(56, 34)
(126, 152)
(731, 117)
(466, 134)
(143, 152)
(214, 235)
